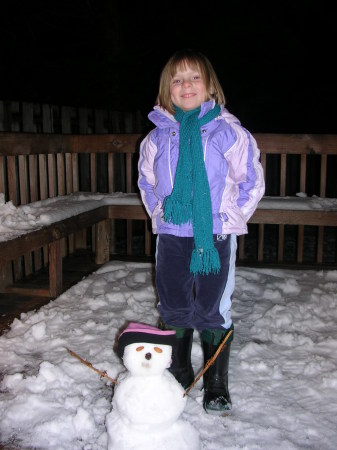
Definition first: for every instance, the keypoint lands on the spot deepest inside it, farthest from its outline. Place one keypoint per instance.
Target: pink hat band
(139, 332)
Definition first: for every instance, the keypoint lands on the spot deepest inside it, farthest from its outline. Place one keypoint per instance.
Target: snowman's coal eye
(139, 349)
(158, 350)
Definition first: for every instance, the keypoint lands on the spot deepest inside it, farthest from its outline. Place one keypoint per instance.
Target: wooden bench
(35, 167)
(52, 234)
(296, 163)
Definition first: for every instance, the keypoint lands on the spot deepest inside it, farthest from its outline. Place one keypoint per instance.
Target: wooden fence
(44, 118)
(292, 164)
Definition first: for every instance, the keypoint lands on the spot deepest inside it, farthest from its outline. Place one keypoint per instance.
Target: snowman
(148, 401)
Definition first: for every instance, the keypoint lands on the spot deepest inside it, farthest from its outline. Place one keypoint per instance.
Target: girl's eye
(196, 77)
(176, 81)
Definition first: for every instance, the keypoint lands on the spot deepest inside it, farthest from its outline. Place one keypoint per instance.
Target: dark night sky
(274, 59)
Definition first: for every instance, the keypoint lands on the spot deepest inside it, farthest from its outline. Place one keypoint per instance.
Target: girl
(200, 180)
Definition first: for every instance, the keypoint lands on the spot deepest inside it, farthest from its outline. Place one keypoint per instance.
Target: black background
(275, 60)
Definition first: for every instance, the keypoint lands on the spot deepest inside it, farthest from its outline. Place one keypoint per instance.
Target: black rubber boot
(216, 400)
(181, 367)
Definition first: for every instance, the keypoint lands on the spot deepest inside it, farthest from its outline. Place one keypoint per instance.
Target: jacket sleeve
(247, 171)
(146, 177)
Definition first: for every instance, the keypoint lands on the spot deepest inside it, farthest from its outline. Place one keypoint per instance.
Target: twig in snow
(88, 364)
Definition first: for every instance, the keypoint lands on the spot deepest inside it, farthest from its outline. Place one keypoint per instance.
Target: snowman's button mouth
(146, 365)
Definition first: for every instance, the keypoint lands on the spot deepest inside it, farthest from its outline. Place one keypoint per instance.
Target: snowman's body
(148, 403)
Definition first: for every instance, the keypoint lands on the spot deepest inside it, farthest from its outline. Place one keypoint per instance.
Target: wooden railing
(29, 117)
(35, 167)
(39, 166)
(296, 164)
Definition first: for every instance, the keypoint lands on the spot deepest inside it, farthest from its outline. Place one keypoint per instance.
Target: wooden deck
(75, 267)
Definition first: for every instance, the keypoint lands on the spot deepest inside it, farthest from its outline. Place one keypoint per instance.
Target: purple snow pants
(188, 301)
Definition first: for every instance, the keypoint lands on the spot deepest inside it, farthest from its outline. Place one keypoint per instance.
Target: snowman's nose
(148, 356)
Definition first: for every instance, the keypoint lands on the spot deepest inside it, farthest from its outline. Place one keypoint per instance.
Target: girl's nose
(148, 356)
(186, 82)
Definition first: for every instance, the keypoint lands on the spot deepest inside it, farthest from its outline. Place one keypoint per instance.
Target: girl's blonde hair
(196, 61)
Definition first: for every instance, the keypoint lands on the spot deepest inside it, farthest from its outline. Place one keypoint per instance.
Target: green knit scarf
(190, 200)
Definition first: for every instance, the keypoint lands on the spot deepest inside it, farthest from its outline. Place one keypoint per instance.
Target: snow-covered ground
(283, 370)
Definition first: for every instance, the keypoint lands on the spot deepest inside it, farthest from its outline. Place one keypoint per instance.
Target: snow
(15, 221)
(282, 377)
(299, 203)
(283, 366)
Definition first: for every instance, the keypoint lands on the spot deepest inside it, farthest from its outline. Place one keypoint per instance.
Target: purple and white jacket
(234, 172)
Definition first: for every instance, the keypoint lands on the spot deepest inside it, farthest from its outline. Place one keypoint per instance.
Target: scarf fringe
(205, 261)
(177, 212)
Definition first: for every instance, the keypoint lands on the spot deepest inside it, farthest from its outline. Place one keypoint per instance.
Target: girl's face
(187, 88)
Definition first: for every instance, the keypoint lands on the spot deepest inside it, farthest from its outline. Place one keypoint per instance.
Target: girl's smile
(187, 89)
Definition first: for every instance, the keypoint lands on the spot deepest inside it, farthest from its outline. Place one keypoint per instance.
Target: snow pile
(282, 377)
(299, 203)
(15, 221)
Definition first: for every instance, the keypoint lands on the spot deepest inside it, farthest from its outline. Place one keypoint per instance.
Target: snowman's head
(146, 350)
(147, 359)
